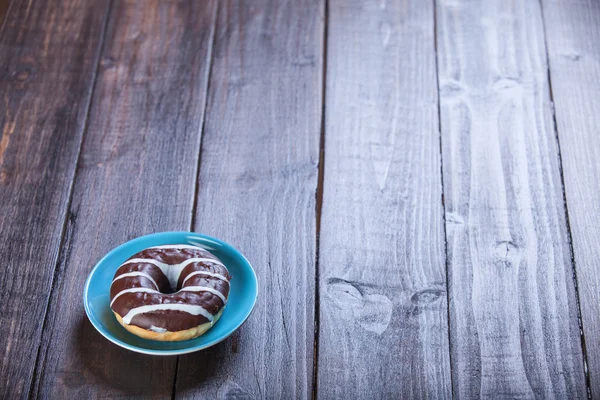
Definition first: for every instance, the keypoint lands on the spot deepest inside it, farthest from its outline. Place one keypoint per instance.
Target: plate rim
(167, 352)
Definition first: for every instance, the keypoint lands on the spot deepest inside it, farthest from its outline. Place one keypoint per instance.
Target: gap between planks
(319, 201)
(446, 265)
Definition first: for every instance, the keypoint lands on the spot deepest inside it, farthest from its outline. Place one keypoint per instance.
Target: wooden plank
(48, 58)
(573, 42)
(4, 6)
(383, 330)
(136, 175)
(258, 179)
(514, 328)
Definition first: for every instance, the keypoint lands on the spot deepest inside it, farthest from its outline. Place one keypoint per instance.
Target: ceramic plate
(242, 295)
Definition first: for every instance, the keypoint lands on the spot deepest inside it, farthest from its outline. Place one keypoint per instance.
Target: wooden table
(417, 183)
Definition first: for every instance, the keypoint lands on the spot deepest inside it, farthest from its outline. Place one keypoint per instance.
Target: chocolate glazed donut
(170, 293)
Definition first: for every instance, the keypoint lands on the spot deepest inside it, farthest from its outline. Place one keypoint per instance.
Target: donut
(170, 293)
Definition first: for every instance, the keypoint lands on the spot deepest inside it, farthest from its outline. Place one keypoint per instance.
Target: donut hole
(167, 289)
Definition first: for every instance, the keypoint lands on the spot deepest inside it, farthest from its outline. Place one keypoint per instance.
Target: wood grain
(136, 175)
(514, 328)
(383, 330)
(257, 185)
(4, 6)
(42, 115)
(573, 42)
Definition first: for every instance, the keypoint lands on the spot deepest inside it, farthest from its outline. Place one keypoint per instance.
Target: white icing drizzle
(172, 271)
(204, 289)
(188, 308)
(219, 276)
(157, 329)
(135, 273)
(133, 290)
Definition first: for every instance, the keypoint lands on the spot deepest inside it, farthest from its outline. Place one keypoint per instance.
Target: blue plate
(242, 294)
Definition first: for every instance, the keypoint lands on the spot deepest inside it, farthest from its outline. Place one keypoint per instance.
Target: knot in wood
(426, 296)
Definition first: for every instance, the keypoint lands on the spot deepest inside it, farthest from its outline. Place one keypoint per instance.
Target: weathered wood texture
(4, 6)
(136, 175)
(48, 58)
(514, 328)
(257, 186)
(383, 308)
(573, 42)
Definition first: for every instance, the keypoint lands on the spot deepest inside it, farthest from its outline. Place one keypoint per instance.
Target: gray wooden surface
(42, 116)
(384, 328)
(573, 43)
(414, 181)
(513, 314)
(256, 189)
(136, 99)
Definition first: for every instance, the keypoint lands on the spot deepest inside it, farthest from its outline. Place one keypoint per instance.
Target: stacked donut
(170, 293)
